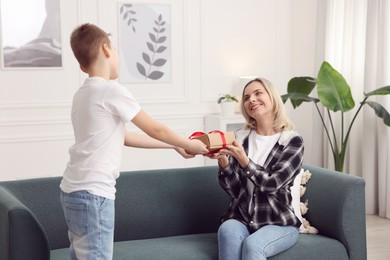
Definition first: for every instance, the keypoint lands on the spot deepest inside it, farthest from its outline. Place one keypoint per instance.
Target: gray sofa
(174, 214)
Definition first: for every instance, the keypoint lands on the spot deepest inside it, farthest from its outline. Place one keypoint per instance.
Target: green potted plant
(334, 94)
(227, 103)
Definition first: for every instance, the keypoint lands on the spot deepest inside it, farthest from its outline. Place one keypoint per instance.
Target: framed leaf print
(144, 42)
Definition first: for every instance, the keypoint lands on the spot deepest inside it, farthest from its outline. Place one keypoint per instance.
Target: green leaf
(227, 98)
(234, 99)
(380, 111)
(298, 98)
(302, 85)
(379, 91)
(333, 91)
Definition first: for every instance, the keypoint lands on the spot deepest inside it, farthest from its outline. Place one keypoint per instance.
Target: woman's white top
(259, 147)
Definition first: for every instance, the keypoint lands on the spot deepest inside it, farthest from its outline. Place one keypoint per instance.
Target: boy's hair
(281, 122)
(85, 41)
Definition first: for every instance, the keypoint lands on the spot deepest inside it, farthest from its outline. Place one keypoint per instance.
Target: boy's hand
(196, 147)
(183, 153)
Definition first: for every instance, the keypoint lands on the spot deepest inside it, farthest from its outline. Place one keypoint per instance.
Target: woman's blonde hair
(281, 122)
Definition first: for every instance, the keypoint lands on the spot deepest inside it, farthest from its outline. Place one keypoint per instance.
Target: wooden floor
(378, 238)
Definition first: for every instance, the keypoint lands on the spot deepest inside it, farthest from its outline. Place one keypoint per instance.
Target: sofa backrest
(149, 203)
(42, 197)
(337, 208)
(168, 202)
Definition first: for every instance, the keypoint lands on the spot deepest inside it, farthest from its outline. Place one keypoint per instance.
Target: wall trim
(66, 120)
(36, 104)
(36, 138)
(68, 136)
(35, 122)
(204, 97)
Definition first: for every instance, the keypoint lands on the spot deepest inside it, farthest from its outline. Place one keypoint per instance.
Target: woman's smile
(255, 106)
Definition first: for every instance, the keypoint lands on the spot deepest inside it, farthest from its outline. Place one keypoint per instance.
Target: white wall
(214, 43)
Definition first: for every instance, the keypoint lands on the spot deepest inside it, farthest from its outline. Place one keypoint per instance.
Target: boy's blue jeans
(235, 242)
(90, 221)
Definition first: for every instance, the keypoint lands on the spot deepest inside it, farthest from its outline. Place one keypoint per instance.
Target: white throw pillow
(296, 195)
(300, 208)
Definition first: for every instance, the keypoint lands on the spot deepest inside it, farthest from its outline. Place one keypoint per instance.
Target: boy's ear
(82, 69)
(106, 50)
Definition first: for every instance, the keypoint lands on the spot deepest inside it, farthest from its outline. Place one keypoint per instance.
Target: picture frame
(165, 90)
(30, 34)
(145, 42)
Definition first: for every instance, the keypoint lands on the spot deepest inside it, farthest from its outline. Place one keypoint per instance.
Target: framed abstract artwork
(31, 33)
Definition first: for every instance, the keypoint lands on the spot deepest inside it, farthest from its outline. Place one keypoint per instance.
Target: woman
(257, 172)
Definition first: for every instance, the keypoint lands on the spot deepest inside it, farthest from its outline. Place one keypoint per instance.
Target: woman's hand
(223, 161)
(237, 151)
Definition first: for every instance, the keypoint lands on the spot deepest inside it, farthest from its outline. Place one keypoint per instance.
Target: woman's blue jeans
(90, 221)
(235, 241)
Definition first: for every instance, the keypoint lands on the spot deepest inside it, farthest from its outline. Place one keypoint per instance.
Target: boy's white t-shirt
(100, 110)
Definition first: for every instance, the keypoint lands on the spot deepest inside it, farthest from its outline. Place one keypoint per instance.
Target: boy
(100, 109)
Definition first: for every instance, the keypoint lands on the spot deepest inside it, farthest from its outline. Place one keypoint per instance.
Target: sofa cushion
(205, 247)
(314, 247)
(191, 247)
(187, 247)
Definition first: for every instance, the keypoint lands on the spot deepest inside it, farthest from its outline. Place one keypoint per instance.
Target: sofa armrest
(337, 208)
(21, 234)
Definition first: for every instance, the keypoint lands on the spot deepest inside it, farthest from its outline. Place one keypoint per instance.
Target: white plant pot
(227, 108)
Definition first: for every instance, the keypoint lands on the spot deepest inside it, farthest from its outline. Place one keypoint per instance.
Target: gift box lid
(216, 140)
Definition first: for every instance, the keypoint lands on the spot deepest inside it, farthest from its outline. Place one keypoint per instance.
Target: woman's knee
(251, 249)
(232, 228)
(269, 241)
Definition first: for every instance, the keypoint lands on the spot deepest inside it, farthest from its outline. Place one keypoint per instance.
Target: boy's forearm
(144, 141)
(159, 131)
(168, 136)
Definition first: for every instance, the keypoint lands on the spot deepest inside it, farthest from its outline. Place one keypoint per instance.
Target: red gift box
(214, 140)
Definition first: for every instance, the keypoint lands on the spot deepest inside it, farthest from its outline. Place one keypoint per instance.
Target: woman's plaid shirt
(271, 198)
